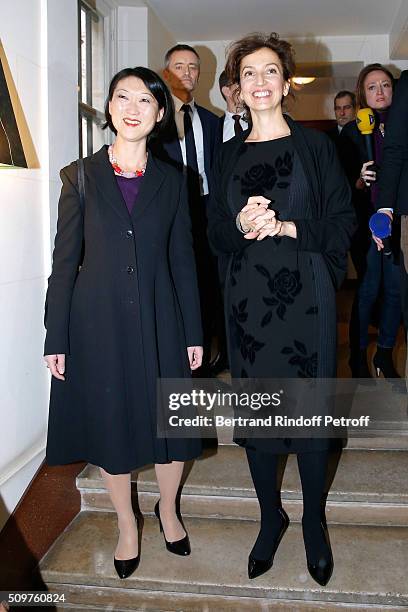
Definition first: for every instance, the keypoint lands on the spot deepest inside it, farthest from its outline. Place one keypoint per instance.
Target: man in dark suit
(344, 110)
(232, 122)
(393, 179)
(191, 147)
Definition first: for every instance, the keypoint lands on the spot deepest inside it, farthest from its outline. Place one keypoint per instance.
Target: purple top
(381, 117)
(130, 189)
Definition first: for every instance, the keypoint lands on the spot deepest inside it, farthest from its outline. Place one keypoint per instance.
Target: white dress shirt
(229, 123)
(198, 138)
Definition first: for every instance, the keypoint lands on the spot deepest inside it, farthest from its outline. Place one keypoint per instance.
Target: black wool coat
(123, 320)
(333, 222)
(320, 197)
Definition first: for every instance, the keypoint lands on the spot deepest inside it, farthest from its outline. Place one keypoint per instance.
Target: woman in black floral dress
(282, 214)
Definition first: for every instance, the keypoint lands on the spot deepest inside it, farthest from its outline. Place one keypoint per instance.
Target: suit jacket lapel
(171, 144)
(173, 149)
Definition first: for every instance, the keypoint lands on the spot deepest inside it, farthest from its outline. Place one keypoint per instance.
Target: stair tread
(362, 476)
(83, 556)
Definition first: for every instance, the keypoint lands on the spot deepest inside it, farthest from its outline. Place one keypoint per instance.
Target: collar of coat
(101, 174)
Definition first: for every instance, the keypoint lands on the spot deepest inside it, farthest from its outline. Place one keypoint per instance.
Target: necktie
(193, 180)
(191, 152)
(237, 124)
(193, 177)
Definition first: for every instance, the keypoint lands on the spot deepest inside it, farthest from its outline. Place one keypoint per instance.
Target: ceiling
(214, 20)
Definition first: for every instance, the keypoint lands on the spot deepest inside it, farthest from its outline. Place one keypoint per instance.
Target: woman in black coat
(123, 310)
(281, 212)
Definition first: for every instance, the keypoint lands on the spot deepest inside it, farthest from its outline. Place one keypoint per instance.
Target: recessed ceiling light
(299, 80)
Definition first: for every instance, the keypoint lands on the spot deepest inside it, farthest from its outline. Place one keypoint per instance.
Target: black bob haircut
(157, 88)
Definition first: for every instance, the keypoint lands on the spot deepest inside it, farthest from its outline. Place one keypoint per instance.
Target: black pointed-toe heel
(257, 567)
(383, 363)
(322, 571)
(179, 547)
(125, 567)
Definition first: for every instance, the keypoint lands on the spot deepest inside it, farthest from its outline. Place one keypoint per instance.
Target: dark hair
(180, 47)
(155, 85)
(342, 94)
(253, 42)
(222, 81)
(239, 49)
(360, 91)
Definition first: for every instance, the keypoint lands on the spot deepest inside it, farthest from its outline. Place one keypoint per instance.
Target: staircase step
(120, 600)
(388, 440)
(81, 561)
(369, 488)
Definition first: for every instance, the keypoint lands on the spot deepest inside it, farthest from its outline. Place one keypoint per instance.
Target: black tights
(313, 474)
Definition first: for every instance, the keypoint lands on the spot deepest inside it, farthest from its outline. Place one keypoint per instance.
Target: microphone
(366, 124)
(380, 225)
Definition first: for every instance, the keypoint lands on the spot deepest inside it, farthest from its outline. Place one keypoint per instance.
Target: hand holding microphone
(380, 226)
(366, 123)
(368, 174)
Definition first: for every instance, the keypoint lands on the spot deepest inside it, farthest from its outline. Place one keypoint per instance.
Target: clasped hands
(258, 222)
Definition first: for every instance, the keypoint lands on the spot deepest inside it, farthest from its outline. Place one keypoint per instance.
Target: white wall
(142, 38)
(309, 103)
(159, 40)
(132, 36)
(28, 204)
(62, 81)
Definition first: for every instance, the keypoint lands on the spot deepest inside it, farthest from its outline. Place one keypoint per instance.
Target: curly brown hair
(239, 49)
(360, 91)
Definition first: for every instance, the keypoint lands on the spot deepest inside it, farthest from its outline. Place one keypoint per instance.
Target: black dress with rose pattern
(279, 300)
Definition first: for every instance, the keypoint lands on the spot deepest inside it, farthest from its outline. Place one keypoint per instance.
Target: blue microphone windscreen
(380, 225)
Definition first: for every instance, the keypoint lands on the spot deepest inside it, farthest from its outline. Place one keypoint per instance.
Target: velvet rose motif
(286, 285)
(236, 265)
(284, 288)
(258, 179)
(262, 178)
(246, 343)
(306, 364)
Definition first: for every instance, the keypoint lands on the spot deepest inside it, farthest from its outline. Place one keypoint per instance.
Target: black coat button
(130, 269)
(129, 233)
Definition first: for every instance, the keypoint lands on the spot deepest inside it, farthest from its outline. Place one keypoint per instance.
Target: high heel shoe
(257, 567)
(383, 363)
(322, 570)
(125, 567)
(179, 547)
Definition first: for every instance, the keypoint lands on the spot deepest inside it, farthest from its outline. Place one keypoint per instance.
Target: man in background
(344, 110)
(232, 122)
(190, 145)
